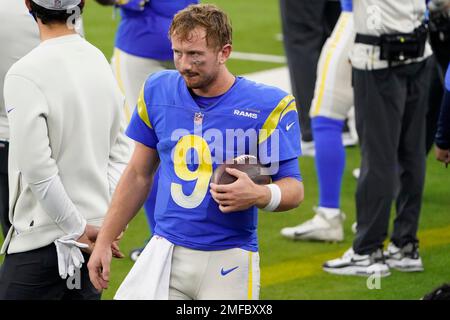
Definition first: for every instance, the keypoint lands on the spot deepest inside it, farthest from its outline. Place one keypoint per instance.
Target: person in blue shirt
(442, 140)
(333, 99)
(189, 121)
(142, 47)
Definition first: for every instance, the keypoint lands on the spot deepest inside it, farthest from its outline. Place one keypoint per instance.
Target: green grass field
(292, 270)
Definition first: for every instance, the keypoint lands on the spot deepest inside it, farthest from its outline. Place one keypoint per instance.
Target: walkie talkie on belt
(398, 47)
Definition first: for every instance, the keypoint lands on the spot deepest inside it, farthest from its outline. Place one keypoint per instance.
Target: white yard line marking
(258, 57)
(278, 77)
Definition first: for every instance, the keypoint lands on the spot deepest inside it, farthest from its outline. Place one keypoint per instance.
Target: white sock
(330, 213)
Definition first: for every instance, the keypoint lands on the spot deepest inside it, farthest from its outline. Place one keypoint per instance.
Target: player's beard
(195, 80)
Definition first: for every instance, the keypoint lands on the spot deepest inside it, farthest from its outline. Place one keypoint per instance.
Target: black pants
(33, 275)
(306, 26)
(390, 106)
(4, 190)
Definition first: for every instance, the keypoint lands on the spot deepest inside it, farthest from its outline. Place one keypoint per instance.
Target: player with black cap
(67, 151)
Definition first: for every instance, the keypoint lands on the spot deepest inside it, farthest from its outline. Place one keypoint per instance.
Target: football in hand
(244, 163)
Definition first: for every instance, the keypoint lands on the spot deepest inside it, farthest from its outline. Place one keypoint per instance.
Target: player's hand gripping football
(241, 194)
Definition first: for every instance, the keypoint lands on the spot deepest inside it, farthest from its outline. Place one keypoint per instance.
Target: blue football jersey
(143, 29)
(191, 141)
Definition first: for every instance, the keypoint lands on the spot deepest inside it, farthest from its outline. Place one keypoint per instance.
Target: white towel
(150, 276)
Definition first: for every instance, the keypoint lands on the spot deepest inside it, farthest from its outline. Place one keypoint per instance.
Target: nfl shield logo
(58, 4)
(198, 118)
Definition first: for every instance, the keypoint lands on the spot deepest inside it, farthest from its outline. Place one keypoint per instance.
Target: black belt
(398, 47)
(366, 39)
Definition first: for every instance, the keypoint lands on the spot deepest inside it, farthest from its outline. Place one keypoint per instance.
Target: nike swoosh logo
(8, 111)
(289, 126)
(225, 272)
(355, 259)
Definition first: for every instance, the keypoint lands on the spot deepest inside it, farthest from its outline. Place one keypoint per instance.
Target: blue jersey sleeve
(140, 128)
(288, 168)
(279, 137)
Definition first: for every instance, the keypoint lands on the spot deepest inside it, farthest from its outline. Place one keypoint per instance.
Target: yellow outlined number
(202, 174)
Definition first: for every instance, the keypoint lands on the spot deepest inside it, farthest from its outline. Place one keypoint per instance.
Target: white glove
(69, 254)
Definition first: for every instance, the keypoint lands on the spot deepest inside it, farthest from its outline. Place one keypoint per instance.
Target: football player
(333, 99)
(205, 244)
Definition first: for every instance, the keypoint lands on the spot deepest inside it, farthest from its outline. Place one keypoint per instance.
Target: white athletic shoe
(352, 264)
(308, 148)
(319, 228)
(348, 140)
(354, 227)
(406, 259)
(356, 173)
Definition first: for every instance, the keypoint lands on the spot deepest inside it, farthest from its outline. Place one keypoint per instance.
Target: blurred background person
(333, 98)
(439, 21)
(306, 26)
(19, 34)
